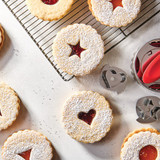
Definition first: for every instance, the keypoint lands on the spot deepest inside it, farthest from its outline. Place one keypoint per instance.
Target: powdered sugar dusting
(9, 106)
(49, 12)
(120, 16)
(25, 140)
(135, 143)
(83, 102)
(89, 40)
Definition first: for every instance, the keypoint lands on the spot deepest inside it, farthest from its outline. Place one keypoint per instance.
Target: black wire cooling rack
(43, 32)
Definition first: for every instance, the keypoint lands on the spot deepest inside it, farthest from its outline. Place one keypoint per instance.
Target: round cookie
(9, 106)
(143, 144)
(78, 49)
(49, 10)
(27, 144)
(1, 36)
(115, 13)
(87, 116)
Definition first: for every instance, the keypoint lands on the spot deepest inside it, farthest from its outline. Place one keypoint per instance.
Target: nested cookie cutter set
(79, 13)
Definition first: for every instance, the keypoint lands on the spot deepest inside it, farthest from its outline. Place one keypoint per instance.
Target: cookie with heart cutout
(27, 144)
(9, 106)
(49, 10)
(142, 144)
(115, 13)
(1, 36)
(87, 116)
(78, 49)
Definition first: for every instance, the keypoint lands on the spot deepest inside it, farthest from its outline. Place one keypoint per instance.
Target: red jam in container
(146, 65)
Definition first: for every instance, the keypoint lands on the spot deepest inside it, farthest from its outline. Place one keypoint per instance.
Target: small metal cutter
(148, 109)
(113, 78)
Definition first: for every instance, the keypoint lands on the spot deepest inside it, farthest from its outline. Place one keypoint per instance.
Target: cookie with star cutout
(78, 49)
(87, 117)
(27, 145)
(49, 10)
(9, 106)
(115, 13)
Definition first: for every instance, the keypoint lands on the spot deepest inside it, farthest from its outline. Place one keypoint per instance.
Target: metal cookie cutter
(148, 109)
(113, 78)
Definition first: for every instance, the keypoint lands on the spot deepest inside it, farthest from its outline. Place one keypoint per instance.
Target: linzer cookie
(87, 116)
(146, 65)
(27, 144)
(143, 144)
(9, 106)
(1, 36)
(78, 49)
(115, 13)
(49, 10)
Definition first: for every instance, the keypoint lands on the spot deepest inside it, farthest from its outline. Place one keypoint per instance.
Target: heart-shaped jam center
(76, 50)
(148, 153)
(26, 154)
(50, 2)
(87, 117)
(116, 3)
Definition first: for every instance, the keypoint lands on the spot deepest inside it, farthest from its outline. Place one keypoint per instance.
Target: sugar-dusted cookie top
(9, 106)
(78, 49)
(27, 144)
(49, 10)
(143, 144)
(115, 13)
(87, 116)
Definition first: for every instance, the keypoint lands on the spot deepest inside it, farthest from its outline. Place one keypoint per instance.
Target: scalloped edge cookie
(117, 22)
(49, 12)
(12, 146)
(9, 106)
(134, 133)
(1, 37)
(89, 40)
(85, 101)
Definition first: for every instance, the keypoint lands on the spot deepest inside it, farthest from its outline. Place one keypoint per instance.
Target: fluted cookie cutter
(148, 109)
(146, 65)
(113, 78)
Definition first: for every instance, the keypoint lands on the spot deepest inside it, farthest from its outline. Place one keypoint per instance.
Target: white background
(43, 92)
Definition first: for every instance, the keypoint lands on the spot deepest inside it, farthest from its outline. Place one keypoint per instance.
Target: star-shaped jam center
(76, 50)
(116, 3)
(26, 154)
(50, 2)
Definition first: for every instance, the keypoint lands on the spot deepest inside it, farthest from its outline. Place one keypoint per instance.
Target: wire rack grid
(43, 32)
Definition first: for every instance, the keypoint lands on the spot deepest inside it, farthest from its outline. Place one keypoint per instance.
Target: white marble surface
(43, 92)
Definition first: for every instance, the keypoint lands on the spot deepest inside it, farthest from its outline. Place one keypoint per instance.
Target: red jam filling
(151, 73)
(87, 117)
(76, 50)
(148, 153)
(26, 154)
(0, 113)
(50, 2)
(116, 3)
